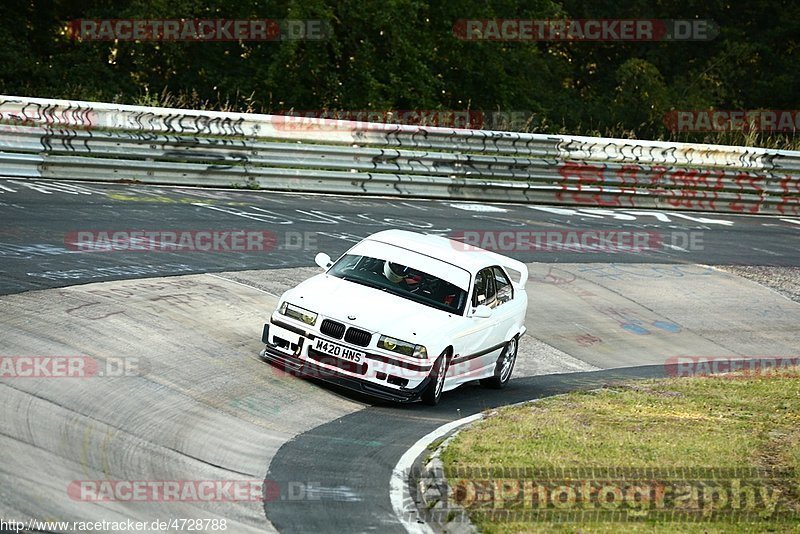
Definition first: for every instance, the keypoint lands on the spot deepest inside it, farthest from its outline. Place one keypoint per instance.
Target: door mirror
(482, 312)
(323, 260)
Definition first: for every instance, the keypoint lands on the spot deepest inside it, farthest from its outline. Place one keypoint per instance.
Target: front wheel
(433, 392)
(504, 367)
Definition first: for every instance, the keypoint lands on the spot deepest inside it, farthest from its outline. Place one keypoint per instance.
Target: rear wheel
(433, 391)
(504, 367)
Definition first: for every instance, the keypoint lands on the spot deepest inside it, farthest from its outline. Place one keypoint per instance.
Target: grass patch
(686, 425)
(435, 443)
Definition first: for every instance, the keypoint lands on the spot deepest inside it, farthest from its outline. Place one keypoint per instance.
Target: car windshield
(401, 280)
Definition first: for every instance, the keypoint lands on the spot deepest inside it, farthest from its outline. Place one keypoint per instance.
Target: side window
(505, 291)
(484, 292)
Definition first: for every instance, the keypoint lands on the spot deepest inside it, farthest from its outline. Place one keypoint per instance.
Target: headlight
(298, 313)
(402, 347)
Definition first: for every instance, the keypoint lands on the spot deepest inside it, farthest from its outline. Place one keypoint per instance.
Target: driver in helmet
(400, 274)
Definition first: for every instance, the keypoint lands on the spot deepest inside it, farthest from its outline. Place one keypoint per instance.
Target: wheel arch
(516, 330)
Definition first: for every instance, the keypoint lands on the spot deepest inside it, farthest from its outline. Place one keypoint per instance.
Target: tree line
(412, 55)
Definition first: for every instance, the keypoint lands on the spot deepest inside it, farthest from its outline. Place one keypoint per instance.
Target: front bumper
(296, 361)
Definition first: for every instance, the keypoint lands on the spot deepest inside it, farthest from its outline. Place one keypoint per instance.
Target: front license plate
(339, 351)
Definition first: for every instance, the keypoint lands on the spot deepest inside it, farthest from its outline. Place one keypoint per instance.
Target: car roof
(468, 257)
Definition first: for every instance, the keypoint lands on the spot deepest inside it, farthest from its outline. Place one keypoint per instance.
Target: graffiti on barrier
(632, 186)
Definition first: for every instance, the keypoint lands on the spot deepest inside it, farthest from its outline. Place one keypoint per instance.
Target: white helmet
(394, 272)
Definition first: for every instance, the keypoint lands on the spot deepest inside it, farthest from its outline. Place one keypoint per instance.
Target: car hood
(373, 309)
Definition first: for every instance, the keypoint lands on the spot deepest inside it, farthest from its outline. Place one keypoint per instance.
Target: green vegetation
(691, 424)
(403, 55)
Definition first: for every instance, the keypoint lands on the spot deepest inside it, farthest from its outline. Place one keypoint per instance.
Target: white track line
(398, 485)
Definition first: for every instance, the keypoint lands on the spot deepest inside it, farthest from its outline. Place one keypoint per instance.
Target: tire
(504, 366)
(433, 392)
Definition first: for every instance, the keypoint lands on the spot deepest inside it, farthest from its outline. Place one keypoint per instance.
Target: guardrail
(57, 139)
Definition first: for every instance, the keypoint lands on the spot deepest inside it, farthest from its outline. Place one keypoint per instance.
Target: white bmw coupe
(403, 316)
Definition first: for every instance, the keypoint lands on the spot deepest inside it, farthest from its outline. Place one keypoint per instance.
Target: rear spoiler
(517, 270)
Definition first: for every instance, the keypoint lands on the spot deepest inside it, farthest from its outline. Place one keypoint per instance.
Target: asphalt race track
(37, 218)
(196, 403)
